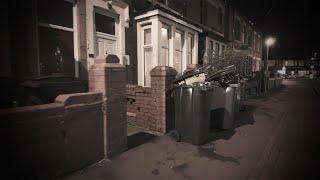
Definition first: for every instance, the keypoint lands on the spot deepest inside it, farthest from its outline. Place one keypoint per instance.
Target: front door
(106, 36)
(105, 45)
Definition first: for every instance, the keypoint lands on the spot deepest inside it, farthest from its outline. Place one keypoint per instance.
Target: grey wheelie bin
(192, 113)
(224, 100)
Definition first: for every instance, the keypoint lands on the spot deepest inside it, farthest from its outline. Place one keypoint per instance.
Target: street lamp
(269, 42)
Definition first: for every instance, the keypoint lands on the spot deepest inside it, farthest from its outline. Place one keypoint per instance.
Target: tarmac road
(277, 137)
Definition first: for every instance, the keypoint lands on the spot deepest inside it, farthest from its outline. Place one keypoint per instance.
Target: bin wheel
(174, 134)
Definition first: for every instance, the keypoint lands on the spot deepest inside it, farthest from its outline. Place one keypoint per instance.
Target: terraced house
(66, 36)
(92, 66)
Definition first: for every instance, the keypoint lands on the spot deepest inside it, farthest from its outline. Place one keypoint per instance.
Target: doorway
(105, 33)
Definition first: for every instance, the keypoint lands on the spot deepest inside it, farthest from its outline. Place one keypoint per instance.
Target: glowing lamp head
(270, 41)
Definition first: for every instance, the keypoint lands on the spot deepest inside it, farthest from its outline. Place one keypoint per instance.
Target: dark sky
(295, 24)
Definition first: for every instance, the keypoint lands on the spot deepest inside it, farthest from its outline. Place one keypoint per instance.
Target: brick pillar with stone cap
(109, 77)
(161, 80)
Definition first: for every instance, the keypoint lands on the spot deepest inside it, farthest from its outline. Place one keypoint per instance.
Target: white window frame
(74, 30)
(144, 47)
(159, 19)
(190, 51)
(110, 37)
(178, 50)
(165, 46)
(208, 50)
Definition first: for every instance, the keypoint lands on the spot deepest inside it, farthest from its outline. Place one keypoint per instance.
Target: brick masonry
(44, 141)
(109, 77)
(152, 107)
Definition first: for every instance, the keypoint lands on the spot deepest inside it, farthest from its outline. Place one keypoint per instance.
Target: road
(277, 137)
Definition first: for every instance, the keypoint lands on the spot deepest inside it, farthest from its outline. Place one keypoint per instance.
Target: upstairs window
(237, 31)
(220, 18)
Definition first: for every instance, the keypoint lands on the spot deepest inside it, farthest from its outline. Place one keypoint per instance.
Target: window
(237, 32)
(57, 12)
(105, 24)
(211, 51)
(250, 38)
(164, 54)
(220, 18)
(105, 33)
(178, 51)
(56, 37)
(177, 5)
(223, 48)
(301, 63)
(259, 44)
(190, 44)
(211, 13)
(164, 42)
(147, 36)
(147, 55)
(217, 50)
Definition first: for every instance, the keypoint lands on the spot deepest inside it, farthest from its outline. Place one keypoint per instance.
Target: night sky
(295, 24)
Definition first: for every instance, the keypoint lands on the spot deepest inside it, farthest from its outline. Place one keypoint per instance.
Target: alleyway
(276, 138)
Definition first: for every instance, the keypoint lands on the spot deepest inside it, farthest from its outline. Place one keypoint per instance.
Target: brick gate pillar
(161, 80)
(109, 77)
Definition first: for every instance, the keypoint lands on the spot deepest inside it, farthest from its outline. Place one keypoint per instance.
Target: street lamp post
(269, 42)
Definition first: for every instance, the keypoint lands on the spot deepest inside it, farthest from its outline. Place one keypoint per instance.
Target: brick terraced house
(66, 36)
(127, 52)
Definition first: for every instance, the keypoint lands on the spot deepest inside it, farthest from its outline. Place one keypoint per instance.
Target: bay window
(164, 40)
(217, 49)
(178, 51)
(190, 44)
(147, 54)
(164, 52)
(214, 49)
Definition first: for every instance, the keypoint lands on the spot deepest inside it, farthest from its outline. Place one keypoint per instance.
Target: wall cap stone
(110, 58)
(163, 71)
(79, 98)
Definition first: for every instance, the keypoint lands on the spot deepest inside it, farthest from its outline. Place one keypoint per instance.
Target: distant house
(66, 36)
(296, 66)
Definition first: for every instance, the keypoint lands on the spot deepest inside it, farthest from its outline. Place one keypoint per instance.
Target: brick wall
(152, 107)
(46, 140)
(109, 77)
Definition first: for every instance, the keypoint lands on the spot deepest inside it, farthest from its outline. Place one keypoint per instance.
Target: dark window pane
(237, 30)
(105, 24)
(177, 5)
(58, 12)
(56, 51)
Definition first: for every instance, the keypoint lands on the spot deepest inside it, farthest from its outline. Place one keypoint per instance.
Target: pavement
(275, 138)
